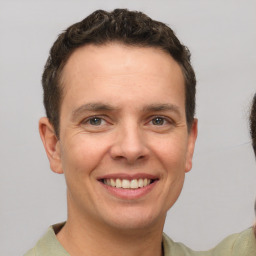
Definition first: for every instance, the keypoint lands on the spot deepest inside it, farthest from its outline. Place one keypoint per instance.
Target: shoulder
(48, 244)
(31, 252)
(238, 244)
(179, 249)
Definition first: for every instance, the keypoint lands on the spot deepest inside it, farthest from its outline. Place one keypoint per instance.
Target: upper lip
(128, 176)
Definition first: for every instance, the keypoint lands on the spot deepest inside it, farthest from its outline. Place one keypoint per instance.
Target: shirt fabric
(240, 244)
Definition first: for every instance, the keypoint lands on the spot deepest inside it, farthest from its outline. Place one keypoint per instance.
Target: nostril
(119, 157)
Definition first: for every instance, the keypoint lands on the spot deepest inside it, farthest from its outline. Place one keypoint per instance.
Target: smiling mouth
(128, 184)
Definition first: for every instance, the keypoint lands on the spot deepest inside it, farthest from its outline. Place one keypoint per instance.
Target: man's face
(124, 144)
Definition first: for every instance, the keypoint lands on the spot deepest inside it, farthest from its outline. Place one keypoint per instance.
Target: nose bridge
(129, 142)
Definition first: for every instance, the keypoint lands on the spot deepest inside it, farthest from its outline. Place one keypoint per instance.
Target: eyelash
(157, 119)
(91, 118)
(164, 121)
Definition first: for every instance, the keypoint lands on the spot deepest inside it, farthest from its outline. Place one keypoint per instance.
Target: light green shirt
(240, 244)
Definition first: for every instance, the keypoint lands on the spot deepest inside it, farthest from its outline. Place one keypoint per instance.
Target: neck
(83, 237)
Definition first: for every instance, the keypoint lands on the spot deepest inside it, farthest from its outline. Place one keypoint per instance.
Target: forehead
(119, 67)
(120, 59)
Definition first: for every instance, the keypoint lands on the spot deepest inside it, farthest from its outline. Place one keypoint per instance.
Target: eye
(158, 121)
(161, 124)
(96, 124)
(95, 121)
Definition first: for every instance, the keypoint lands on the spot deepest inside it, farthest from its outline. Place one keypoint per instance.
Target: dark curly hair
(121, 25)
(253, 136)
(253, 124)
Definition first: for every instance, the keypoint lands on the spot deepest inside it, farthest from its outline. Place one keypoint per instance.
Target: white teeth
(134, 184)
(112, 183)
(141, 183)
(118, 183)
(127, 184)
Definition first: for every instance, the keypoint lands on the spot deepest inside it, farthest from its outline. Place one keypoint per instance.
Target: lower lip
(130, 194)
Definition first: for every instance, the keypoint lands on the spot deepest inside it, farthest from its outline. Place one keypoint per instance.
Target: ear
(191, 145)
(51, 144)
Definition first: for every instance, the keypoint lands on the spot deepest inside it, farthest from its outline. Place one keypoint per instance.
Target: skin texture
(137, 97)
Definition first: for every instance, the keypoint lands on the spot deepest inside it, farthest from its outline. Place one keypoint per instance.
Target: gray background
(219, 191)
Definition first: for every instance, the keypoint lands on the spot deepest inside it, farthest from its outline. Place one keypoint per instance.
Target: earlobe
(191, 145)
(51, 144)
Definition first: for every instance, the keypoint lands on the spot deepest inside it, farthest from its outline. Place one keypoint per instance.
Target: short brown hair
(121, 25)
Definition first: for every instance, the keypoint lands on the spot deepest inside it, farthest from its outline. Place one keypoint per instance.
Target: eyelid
(87, 119)
(167, 119)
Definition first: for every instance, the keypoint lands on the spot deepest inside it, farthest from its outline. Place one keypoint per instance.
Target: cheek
(82, 155)
(171, 152)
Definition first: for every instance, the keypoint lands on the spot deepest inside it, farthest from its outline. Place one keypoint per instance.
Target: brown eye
(158, 121)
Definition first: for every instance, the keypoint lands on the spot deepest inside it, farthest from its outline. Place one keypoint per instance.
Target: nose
(129, 145)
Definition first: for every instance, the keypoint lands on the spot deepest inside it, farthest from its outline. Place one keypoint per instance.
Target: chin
(132, 225)
(132, 220)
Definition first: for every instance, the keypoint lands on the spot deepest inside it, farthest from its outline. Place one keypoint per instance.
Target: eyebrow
(96, 107)
(162, 107)
(93, 107)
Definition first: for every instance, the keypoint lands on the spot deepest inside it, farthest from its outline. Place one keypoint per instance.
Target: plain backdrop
(219, 192)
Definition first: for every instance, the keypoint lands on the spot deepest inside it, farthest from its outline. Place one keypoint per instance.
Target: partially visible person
(253, 123)
(253, 136)
(244, 243)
